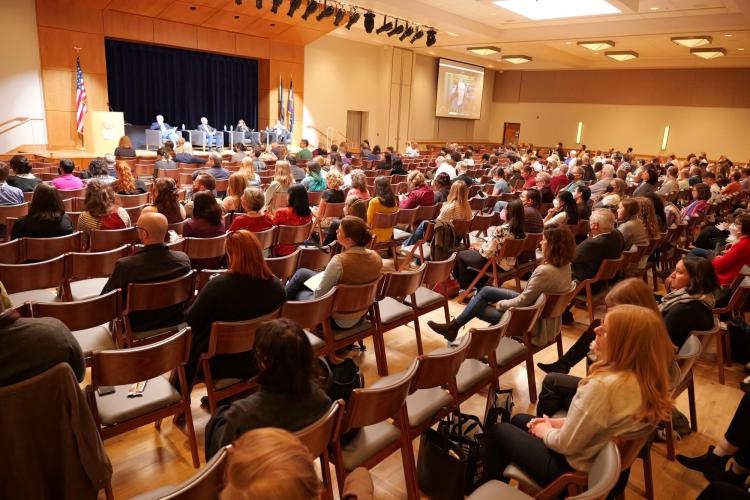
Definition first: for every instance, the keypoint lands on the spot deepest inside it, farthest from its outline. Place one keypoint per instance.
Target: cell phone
(103, 390)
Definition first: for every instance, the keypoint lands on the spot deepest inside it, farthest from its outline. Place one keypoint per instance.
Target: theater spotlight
(312, 5)
(385, 27)
(293, 6)
(258, 3)
(419, 34)
(340, 13)
(353, 18)
(369, 22)
(397, 30)
(326, 12)
(431, 37)
(275, 6)
(407, 33)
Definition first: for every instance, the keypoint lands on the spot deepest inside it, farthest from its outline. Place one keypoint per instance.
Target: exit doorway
(356, 127)
(511, 133)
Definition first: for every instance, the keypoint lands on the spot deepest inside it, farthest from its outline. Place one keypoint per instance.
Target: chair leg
(531, 374)
(590, 303)
(380, 360)
(648, 477)
(720, 357)
(691, 403)
(339, 466)
(108, 491)
(482, 272)
(407, 457)
(420, 350)
(325, 472)
(726, 341)
(670, 438)
(559, 343)
(447, 311)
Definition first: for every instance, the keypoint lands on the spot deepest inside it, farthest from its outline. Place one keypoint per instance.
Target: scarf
(682, 296)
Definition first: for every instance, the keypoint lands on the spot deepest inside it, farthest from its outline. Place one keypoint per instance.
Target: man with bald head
(153, 263)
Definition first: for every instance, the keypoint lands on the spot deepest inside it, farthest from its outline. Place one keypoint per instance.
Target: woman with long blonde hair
(235, 187)
(626, 392)
(456, 206)
(281, 181)
(647, 216)
(248, 170)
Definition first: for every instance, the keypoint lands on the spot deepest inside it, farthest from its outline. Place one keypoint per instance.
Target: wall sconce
(665, 139)
(579, 134)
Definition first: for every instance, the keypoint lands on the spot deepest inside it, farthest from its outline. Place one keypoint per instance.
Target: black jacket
(592, 251)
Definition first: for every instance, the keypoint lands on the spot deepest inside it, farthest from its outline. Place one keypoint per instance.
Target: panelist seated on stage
(213, 138)
(168, 132)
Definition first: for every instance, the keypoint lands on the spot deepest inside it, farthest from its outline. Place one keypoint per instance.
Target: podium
(102, 131)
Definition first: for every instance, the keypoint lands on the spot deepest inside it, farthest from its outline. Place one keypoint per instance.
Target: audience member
(298, 213)
(314, 182)
(543, 180)
(649, 177)
(22, 177)
(281, 181)
(384, 202)
(247, 168)
(304, 153)
(167, 201)
(606, 175)
(206, 222)
(441, 186)
(46, 217)
(237, 184)
(125, 183)
(631, 227)
(613, 195)
(352, 206)
(124, 148)
(456, 207)
(164, 161)
(254, 219)
(98, 169)
(66, 180)
(9, 195)
(358, 185)
(582, 196)
(701, 194)
(420, 194)
(670, 184)
(214, 168)
(239, 152)
(100, 211)
(563, 211)
(500, 184)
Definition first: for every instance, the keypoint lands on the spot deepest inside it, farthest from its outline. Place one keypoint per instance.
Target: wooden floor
(145, 459)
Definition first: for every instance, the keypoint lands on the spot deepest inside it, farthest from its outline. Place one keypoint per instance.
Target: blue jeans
(479, 306)
(295, 287)
(418, 234)
(701, 252)
(500, 206)
(214, 140)
(169, 136)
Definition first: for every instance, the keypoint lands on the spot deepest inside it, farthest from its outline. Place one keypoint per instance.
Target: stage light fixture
(312, 6)
(340, 13)
(369, 22)
(326, 12)
(353, 18)
(258, 4)
(293, 6)
(397, 30)
(419, 34)
(431, 37)
(275, 6)
(238, 2)
(409, 31)
(385, 26)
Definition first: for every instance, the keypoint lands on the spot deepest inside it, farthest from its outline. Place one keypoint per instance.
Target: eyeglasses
(141, 228)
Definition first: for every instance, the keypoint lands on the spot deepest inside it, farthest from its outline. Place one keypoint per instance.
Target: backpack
(338, 380)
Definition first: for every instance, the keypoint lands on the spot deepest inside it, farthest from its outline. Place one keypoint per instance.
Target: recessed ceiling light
(484, 51)
(622, 55)
(728, 36)
(654, 8)
(557, 9)
(450, 33)
(692, 41)
(568, 43)
(709, 53)
(741, 48)
(518, 59)
(597, 44)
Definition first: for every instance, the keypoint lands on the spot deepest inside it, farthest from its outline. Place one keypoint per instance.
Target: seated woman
(480, 253)
(564, 210)
(421, 194)
(333, 194)
(554, 276)
(441, 187)
(352, 206)
(356, 265)
(126, 184)
(397, 168)
(248, 275)
(206, 222)
(247, 168)
(384, 202)
(358, 185)
(701, 194)
(296, 214)
(235, 187)
(649, 178)
(314, 182)
(98, 170)
(281, 181)
(100, 211)
(167, 200)
(253, 219)
(729, 263)
(626, 392)
(286, 376)
(456, 207)
(613, 195)
(46, 217)
(630, 226)
(124, 148)
(22, 177)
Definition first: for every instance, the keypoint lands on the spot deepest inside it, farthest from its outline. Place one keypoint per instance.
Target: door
(354, 128)
(511, 133)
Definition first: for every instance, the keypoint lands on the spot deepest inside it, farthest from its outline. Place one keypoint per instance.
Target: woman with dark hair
(659, 211)
(397, 167)
(206, 222)
(46, 217)
(167, 201)
(247, 275)
(297, 213)
(649, 178)
(354, 206)
(441, 186)
(237, 184)
(554, 276)
(701, 194)
(126, 184)
(632, 229)
(374, 154)
(22, 177)
(286, 375)
(100, 211)
(480, 253)
(384, 202)
(564, 210)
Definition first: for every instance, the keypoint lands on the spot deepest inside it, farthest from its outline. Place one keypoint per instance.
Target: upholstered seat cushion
(156, 494)
(343, 333)
(392, 310)
(158, 331)
(223, 383)
(39, 295)
(426, 297)
(315, 342)
(86, 289)
(507, 350)
(399, 234)
(367, 442)
(425, 248)
(513, 472)
(471, 372)
(423, 404)
(97, 338)
(497, 490)
(117, 407)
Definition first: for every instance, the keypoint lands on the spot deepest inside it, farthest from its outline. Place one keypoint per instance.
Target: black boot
(710, 464)
(559, 366)
(732, 478)
(449, 331)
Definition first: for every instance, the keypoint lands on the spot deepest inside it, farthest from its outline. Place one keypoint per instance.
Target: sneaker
(710, 464)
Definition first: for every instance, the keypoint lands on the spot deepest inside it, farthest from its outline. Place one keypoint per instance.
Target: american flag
(81, 106)
(290, 107)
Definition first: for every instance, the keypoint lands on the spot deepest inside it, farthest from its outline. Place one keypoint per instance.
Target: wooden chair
(314, 316)
(313, 197)
(315, 258)
(172, 173)
(478, 368)
(204, 276)
(115, 413)
(686, 359)
(49, 248)
(554, 306)
(86, 273)
(292, 235)
(319, 436)
(284, 267)
(279, 200)
(733, 308)
(406, 219)
(511, 248)
(101, 240)
(142, 297)
(11, 252)
(607, 271)
(132, 200)
(369, 410)
(390, 310)
(230, 338)
(12, 211)
(177, 227)
(95, 323)
(327, 210)
(205, 248)
(267, 238)
(427, 299)
(72, 193)
(37, 282)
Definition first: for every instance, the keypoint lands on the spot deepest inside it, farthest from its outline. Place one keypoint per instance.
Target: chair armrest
(561, 484)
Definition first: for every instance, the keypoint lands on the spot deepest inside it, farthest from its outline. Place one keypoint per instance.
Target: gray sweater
(545, 278)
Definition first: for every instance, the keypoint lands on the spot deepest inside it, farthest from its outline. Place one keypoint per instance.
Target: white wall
(20, 75)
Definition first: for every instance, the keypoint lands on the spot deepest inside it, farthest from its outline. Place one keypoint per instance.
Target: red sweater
(287, 217)
(728, 266)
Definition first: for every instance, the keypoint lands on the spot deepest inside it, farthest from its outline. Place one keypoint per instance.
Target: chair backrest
(739, 297)
(332, 210)
(427, 212)
(313, 197)
(319, 434)
(10, 252)
(108, 239)
(461, 227)
(555, 303)
(132, 200)
(177, 227)
(267, 237)
(315, 258)
(279, 200)
(128, 366)
(403, 283)
(309, 313)
(236, 336)
(630, 445)
(706, 336)
(384, 221)
(481, 222)
(438, 270)
(608, 268)
(48, 248)
(603, 475)
(687, 356)
(484, 341)
(372, 405)
(292, 234)
(82, 265)
(523, 319)
(22, 277)
(355, 299)
(160, 295)
(72, 193)
(512, 247)
(439, 367)
(13, 211)
(206, 483)
(407, 215)
(205, 248)
(532, 241)
(284, 267)
(82, 314)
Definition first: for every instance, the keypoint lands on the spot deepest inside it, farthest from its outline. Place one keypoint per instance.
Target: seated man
(9, 195)
(213, 138)
(168, 132)
(67, 180)
(153, 263)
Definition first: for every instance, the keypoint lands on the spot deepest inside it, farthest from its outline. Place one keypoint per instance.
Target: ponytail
(356, 229)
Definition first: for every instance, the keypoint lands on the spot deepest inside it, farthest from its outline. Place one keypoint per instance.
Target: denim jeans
(479, 306)
(295, 287)
(418, 234)
(214, 140)
(500, 206)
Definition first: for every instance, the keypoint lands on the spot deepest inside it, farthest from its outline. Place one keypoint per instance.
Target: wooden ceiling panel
(301, 35)
(59, 14)
(252, 46)
(150, 8)
(216, 40)
(128, 26)
(230, 21)
(267, 28)
(183, 12)
(177, 34)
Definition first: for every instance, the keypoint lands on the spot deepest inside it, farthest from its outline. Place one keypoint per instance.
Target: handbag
(500, 408)
(449, 464)
(338, 380)
(448, 288)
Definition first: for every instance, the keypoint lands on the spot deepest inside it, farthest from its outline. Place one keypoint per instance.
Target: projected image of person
(457, 97)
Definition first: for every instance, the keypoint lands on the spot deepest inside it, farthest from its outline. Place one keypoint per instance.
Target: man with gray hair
(599, 187)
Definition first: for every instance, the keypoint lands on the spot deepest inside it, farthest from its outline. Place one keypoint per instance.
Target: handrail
(323, 134)
(17, 118)
(20, 119)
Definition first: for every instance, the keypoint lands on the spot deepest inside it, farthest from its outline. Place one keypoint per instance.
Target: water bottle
(225, 127)
(231, 127)
(183, 126)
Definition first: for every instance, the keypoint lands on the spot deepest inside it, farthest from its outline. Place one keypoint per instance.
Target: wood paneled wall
(63, 24)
